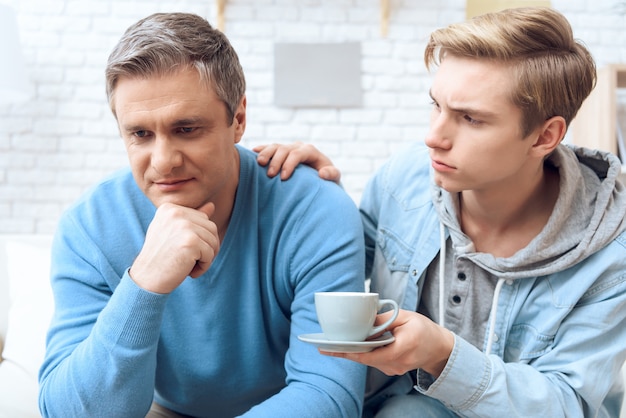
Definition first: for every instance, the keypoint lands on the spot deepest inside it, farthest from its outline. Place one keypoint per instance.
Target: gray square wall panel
(317, 74)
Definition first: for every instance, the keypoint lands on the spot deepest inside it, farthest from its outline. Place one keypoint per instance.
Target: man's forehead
(473, 80)
(143, 115)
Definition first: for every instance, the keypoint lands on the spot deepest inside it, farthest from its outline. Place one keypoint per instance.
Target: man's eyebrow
(194, 121)
(133, 128)
(467, 110)
(475, 113)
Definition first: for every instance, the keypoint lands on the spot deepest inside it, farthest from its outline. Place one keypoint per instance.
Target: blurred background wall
(63, 139)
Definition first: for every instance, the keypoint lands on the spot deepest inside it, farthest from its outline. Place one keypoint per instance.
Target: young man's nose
(439, 131)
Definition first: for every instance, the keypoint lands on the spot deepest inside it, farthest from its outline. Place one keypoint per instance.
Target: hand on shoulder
(284, 158)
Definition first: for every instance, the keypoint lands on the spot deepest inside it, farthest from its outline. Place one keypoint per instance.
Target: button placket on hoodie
(458, 286)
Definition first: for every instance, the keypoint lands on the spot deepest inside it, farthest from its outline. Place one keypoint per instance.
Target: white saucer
(325, 344)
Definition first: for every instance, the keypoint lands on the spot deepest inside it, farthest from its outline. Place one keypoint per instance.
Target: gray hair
(164, 43)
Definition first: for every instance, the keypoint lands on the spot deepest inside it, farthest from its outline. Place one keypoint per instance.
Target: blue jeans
(412, 405)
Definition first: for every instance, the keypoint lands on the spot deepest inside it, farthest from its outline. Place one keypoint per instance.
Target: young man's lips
(441, 166)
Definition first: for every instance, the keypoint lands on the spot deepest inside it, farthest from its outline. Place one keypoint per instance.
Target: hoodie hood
(589, 213)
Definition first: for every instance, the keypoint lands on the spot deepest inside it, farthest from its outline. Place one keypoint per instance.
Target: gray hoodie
(588, 214)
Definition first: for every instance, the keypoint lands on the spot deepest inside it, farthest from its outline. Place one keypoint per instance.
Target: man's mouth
(171, 185)
(440, 165)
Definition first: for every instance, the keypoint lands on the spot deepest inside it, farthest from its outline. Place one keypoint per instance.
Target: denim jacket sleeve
(561, 355)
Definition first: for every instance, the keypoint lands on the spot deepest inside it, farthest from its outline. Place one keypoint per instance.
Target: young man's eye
(471, 120)
(141, 134)
(186, 130)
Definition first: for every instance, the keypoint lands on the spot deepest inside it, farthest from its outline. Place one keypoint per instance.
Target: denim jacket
(558, 333)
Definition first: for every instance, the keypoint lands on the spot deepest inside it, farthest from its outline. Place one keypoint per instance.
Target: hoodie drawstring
(493, 314)
(494, 302)
(442, 268)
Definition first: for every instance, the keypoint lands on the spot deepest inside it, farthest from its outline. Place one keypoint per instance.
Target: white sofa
(25, 309)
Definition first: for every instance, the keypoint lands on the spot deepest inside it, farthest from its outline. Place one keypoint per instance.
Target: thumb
(381, 318)
(208, 209)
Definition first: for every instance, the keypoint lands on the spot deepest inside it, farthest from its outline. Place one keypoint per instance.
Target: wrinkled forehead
(473, 80)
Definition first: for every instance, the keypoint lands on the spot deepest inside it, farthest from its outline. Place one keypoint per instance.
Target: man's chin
(447, 185)
(174, 200)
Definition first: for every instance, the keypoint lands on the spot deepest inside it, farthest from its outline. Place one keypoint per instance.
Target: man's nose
(165, 156)
(440, 131)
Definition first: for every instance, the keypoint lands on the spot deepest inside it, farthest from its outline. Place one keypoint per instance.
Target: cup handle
(381, 327)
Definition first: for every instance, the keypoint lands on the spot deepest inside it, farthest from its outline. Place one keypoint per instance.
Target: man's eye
(471, 120)
(141, 134)
(186, 130)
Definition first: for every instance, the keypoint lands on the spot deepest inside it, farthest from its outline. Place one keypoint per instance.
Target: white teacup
(350, 316)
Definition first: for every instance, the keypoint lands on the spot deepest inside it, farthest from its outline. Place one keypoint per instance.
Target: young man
(187, 279)
(505, 247)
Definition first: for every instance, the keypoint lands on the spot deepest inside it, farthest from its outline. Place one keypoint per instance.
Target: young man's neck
(502, 222)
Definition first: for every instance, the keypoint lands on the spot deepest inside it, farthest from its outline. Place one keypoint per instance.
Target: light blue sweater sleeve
(100, 344)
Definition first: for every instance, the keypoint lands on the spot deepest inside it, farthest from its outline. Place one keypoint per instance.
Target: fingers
(180, 242)
(378, 358)
(274, 157)
(208, 252)
(283, 160)
(265, 153)
(313, 157)
(208, 209)
(419, 343)
(381, 318)
(259, 148)
(330, 173)
(209, 243)
(384, 359)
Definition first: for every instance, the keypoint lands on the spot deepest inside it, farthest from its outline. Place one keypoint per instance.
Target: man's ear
(549, 135)
(240, 120)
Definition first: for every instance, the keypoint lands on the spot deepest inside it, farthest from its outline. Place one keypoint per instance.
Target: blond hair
(554, 72)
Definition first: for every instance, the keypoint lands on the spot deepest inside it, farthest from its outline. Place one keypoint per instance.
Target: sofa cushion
(18, 393)
(30, 310)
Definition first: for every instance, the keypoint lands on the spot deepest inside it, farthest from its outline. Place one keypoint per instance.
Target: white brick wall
(64, 139)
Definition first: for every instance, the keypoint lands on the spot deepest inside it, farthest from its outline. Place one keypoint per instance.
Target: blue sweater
(222, 345)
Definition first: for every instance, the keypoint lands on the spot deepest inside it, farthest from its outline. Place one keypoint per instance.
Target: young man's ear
(550, 134)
